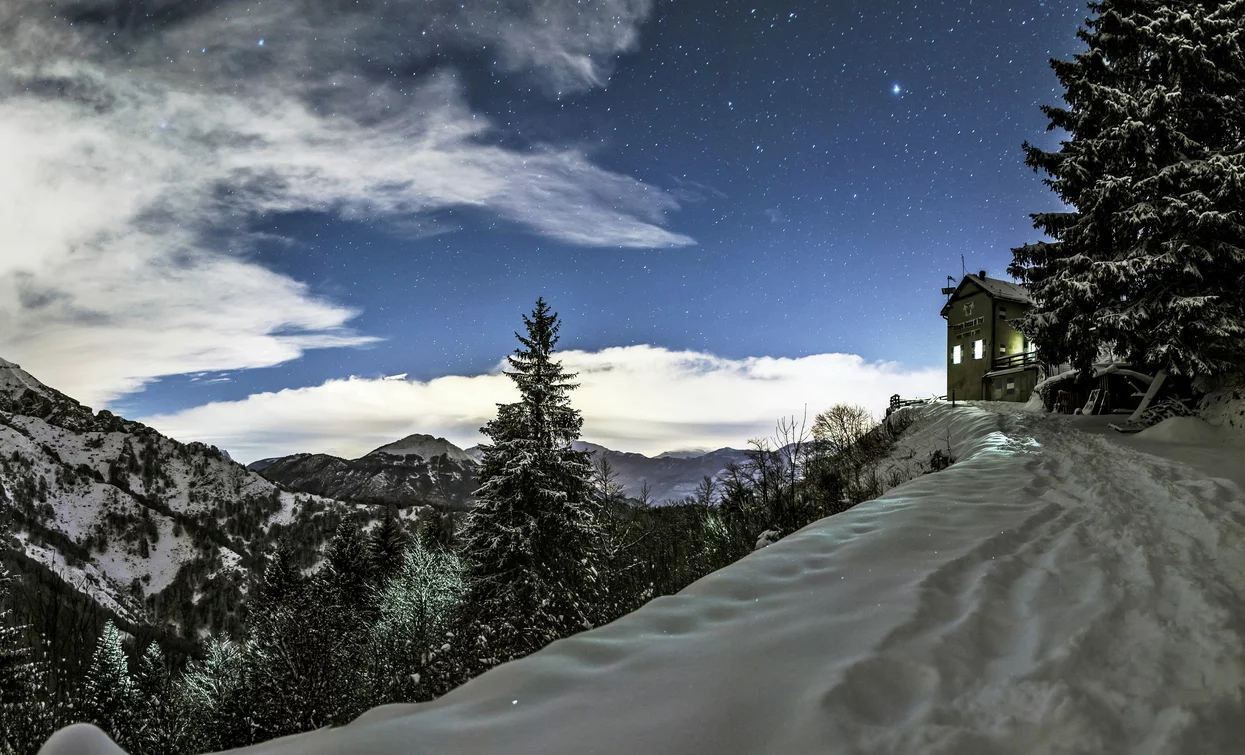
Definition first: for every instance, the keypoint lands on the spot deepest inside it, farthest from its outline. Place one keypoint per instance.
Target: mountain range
(416, 470)
(433, 471)
(671, 476)
(169, 537)
(158, 533)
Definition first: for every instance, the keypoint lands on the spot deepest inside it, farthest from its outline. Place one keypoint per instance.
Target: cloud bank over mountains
(636, 398)
(141, 140)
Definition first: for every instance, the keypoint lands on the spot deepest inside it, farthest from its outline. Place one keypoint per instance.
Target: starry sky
(312, 225)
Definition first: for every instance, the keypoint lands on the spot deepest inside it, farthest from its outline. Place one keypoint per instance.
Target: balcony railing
(1015, 360)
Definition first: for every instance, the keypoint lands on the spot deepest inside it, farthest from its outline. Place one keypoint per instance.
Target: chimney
(981, 274)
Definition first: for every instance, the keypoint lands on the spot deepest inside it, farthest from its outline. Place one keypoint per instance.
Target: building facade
(987, 357)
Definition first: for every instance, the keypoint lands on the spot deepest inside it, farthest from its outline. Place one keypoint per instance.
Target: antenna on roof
(963, 269)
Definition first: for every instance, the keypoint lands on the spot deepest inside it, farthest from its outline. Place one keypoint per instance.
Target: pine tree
(25, 714)
(281, 577)
(386, 546)
(436, 532)
(347, 567)
(1151, 258)
(154, 728)
(302, 665)
(108, 694)
(532, 542)
(14, 655)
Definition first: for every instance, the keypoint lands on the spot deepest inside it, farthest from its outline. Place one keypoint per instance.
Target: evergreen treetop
(282, 578)
(386, 546)
(108, 694)
(1150, 259)
(347, 567)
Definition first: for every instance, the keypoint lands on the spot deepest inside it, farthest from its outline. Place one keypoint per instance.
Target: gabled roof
(994, 288)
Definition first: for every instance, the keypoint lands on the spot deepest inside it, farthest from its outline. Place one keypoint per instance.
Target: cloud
(635, 398)
(141, 142)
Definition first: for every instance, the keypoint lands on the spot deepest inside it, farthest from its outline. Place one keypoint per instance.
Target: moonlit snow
(1054, 591)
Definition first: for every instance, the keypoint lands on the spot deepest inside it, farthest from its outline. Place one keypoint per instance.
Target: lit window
(957, 354)
(979, 349)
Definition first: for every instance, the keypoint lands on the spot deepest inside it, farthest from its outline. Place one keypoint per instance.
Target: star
(896, 89)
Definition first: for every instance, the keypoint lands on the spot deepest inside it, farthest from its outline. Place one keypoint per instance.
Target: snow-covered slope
(151, 529)
(1054, 591)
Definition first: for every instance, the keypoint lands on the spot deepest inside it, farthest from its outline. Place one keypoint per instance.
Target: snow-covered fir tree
(347, 566)
(532, 543)
(301, 664)
(1150, 259)
(282, 578)
(108, 696)
(154, 730)
(25, 714)
(14, 655)
(386, 545)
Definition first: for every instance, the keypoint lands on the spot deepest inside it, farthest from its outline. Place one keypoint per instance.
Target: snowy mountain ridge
(398, 474)
(152, 530)
(428, 470)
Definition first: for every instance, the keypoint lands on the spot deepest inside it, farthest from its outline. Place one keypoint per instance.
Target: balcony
(1026, 359)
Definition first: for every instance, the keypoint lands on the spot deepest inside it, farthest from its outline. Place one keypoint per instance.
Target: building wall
(1008, 340)
(964, 327)
(1014, 386)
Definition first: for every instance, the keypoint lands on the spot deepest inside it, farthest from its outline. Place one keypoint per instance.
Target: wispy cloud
(140, 142)
(635, 398)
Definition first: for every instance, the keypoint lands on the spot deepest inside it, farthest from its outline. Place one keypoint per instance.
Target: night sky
(785, 180)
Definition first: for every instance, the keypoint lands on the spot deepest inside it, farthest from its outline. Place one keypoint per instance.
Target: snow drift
(1051, 592)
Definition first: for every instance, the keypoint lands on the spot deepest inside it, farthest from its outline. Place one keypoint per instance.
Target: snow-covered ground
(1057, 590)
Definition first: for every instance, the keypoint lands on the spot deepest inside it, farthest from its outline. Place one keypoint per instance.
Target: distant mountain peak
(583, 445)
(425, 446)
(15, 381)
(683, 453)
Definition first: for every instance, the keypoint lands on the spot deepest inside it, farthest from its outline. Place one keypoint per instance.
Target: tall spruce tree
(154, 727)
(108, 695)
(26, 717)
(301, 665)
(532, 543)
(282, 579)
(386, 546)
(347, 576)
(1150, 259)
